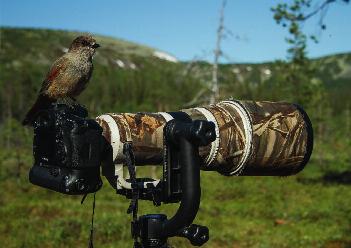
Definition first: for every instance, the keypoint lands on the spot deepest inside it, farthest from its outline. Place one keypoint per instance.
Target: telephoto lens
(252, 138)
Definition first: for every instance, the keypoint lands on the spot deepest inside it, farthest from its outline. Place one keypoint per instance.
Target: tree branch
(321, 7)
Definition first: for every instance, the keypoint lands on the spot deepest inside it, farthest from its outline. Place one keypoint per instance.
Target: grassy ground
(312, 209)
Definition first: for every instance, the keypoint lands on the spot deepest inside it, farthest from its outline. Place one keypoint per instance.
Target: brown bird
(67, 77)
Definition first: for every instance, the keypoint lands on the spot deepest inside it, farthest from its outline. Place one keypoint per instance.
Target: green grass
(306, 210)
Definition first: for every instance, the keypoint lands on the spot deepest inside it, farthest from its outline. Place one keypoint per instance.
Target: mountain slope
(127, 76)
(133, 77)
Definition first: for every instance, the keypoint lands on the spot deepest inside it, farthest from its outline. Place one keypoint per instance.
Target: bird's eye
(85, 43)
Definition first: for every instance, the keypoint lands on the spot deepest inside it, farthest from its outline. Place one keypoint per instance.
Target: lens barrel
(252, 138)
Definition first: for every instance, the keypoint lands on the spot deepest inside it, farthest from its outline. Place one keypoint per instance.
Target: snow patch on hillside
(165, 56)
(120, 63)
(125, 64)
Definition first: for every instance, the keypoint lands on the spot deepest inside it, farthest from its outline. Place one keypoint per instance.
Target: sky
(184, 28)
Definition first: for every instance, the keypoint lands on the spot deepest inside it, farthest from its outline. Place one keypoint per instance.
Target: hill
(130, 76)
(127, 76)
(334, 71)
(45, 43)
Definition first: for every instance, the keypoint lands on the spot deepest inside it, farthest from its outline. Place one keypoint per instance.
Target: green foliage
(308, 210)
(298, 75)
(297, 11)
(12, 134)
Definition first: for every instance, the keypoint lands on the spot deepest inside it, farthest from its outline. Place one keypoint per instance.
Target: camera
(68, 149)
(233, 138)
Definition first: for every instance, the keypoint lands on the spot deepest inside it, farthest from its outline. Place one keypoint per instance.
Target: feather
(42, 103)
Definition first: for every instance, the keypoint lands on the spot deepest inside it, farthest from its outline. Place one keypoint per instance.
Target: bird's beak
(96, 45)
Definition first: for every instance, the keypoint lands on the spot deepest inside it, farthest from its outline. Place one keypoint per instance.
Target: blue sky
(184, 28)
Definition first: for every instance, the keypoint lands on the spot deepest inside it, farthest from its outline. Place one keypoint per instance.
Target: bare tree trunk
(217, 53)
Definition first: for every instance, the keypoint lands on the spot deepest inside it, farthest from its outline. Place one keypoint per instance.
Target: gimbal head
(181, 182)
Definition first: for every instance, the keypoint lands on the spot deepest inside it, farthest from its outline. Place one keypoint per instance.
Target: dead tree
(217, 54)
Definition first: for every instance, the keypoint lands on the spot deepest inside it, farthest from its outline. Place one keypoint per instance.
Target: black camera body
(68, 150)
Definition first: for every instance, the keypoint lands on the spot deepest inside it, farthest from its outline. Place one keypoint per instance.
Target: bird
(67, 77)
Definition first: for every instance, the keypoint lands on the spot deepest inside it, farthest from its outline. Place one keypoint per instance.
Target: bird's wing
(58, 68)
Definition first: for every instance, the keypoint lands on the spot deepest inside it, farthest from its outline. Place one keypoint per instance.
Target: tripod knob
(196, 234)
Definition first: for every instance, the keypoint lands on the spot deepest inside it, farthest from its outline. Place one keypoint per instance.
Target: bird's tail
(42, 102)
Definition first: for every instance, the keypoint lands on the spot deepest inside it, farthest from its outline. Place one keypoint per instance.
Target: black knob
(196, 234)
(203, 132)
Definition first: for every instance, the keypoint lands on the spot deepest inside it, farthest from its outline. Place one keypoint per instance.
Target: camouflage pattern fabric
(254, 138)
